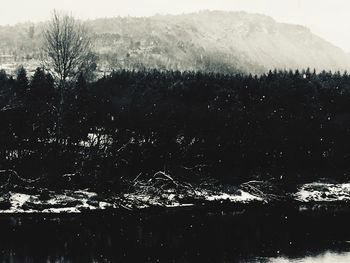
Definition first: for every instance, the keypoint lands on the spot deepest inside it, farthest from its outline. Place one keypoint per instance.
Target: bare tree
(67, 46)
(68, 52)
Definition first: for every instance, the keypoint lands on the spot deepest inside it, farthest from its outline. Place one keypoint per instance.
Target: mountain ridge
(209, 41)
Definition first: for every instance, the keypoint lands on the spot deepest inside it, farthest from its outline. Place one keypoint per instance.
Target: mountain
(215, 41)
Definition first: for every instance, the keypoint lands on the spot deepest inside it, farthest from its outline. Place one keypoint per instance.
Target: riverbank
(164, 192)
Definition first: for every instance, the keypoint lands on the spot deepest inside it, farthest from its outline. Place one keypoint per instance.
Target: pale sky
(329, 19)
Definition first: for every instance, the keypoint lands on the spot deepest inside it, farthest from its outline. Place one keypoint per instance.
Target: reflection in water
(252, 235)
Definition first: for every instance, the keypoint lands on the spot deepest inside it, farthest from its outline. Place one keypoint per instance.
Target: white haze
(329, 19)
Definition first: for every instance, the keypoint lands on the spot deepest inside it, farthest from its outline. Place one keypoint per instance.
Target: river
(261, 234)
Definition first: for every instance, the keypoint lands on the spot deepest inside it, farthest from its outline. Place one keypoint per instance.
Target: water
(280, 234)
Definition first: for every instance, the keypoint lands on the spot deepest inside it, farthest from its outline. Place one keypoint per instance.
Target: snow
(82, 200)
(17, 200)
(68, 210)
(323, 192)
(179, 205)
(66, 202)
(328, 256)
(173, 199)
(104, 205)
(94, 139)
(244, 197)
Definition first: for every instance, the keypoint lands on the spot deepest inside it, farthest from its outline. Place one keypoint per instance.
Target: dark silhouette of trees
(42, 86)
(40, 105)
(21, 81)
(291, 126)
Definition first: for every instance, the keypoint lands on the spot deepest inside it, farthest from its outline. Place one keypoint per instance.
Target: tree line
(289, 125)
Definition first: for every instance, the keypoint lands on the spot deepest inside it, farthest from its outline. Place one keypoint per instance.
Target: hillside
(209, 41)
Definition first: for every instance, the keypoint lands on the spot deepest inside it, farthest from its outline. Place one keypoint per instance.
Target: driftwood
(14, 178)
(157, 189)
(265, 190)
(162, 176)
(169, 181)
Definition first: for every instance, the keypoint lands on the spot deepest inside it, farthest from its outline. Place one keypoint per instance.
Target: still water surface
(278, 235)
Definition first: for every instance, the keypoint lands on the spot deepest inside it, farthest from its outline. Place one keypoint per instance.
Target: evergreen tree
(21, 81)
(41, 86)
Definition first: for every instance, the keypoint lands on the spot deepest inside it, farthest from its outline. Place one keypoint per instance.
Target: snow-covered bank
(163, 190)
(80, 201)
(170, 195)
(64, 202)
(172, 199)
(323, 192)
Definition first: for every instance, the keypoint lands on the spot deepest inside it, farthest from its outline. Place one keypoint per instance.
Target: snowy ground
(65, 202)
(80, 201)
(29, 65)
(323, 192)
(173, 199)
(149, 195)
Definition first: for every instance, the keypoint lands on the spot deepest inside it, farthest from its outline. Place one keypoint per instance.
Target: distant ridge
(210, 41)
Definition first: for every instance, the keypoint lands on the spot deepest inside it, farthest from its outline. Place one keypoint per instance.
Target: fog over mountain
(216, 41)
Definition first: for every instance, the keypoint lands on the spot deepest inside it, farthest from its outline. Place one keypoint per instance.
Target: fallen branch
(13, 173)
(261, 189)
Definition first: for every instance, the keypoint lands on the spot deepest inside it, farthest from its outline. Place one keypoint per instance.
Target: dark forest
(292, 126)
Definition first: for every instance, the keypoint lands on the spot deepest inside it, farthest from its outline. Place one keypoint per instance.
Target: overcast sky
(327, 18)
